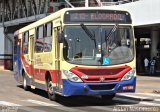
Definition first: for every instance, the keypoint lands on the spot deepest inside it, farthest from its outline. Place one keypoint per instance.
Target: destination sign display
(97, 16)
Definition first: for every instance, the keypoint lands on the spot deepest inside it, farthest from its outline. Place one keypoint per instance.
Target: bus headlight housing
(129, 74)
(71, 76)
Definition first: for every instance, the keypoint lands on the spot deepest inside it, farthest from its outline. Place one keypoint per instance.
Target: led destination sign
(97, 16)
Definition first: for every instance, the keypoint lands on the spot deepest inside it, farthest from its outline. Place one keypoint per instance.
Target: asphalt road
(14, 99)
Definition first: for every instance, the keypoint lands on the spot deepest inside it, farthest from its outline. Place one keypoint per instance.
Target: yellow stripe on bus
(43, 82)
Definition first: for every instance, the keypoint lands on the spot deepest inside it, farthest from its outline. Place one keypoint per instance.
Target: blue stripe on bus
(18, 66)
(72, 88)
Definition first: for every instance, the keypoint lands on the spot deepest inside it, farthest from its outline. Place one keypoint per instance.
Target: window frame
(46, 36)
(39, 38)
(42, 39)
(25, 42)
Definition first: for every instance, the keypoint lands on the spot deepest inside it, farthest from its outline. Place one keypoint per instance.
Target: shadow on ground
(157, 74)
(78, 101)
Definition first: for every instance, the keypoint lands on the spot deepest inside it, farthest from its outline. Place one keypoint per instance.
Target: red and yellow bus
(77, 51)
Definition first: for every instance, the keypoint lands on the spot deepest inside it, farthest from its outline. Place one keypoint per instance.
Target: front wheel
(51, 94)
(25, 86)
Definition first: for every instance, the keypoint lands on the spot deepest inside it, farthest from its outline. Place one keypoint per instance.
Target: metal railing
(81, 3)
(117, 2)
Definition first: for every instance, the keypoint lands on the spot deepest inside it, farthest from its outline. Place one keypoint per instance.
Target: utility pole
(3, 13)
(5, 28)
(99, 3)
(86, 3)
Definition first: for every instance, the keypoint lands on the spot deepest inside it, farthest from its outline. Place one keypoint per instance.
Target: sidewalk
(2, 71)
(148, 84)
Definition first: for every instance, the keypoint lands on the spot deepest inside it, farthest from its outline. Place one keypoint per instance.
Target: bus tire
(25, 86)
(51, 94)
(107, 97)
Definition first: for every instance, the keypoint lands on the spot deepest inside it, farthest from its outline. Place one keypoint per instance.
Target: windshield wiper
(89, 33)
(107, 37)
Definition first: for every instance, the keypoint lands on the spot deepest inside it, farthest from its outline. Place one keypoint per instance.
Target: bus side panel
(53, 76)
(17, 65)
(41, 82)
(26, 65)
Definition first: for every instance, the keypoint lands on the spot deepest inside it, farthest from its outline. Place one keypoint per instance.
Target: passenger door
(57, 60)
(32, 41)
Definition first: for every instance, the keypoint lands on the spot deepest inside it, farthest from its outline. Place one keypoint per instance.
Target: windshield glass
(98, 45)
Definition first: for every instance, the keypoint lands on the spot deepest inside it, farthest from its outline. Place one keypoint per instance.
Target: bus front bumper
(72, 88)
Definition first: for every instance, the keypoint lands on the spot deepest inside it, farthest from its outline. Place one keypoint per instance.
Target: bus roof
(57, 15)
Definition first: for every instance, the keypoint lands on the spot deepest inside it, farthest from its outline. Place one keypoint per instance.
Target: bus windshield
(93, 45)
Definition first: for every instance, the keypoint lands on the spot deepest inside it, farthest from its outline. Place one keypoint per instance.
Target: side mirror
(60, 36)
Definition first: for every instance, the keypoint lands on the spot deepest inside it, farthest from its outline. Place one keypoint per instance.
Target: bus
(77, 51)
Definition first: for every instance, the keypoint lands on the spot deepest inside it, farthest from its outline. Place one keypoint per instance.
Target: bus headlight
(71, 76)
(129, 74)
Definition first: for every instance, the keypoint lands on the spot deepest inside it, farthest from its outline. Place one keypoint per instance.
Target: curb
(136, 98)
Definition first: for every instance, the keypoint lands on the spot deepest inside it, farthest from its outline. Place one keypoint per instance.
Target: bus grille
(99, 80)
(101, 71)
(102, 87)
(105, 74)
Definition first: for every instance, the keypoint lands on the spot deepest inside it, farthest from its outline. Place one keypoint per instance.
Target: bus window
(25, 42)
(39, 39)
(48, 37)
(15, 44)
(39, 46)
(49, 29)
